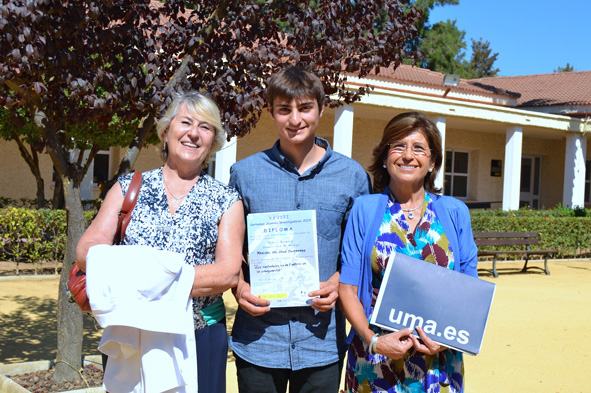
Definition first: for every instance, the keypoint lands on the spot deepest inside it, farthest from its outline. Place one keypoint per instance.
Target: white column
(224, 159)
(343, 130)
(439, 180)
(512, 175)
(573, 193)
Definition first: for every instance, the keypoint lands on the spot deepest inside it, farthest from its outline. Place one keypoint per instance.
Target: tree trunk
(40, 192)
(58, 200)
(69, 316)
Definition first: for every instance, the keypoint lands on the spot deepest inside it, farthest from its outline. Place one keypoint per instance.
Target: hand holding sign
(395, 345)
(425, 344)
(450, 308)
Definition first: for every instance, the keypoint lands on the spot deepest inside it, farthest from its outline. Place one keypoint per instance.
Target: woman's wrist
(373, 344)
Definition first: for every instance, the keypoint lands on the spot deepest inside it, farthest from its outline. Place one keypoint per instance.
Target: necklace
(176, 200)
(409, 211)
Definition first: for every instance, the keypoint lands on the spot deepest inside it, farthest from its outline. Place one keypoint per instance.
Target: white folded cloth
(141, 297)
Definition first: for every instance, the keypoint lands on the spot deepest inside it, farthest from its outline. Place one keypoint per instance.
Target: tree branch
(28, 157)
(93, 152)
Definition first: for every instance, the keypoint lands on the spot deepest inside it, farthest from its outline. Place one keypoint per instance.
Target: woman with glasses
(407, 216)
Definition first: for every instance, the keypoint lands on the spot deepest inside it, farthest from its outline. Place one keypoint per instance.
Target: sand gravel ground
(538, 338)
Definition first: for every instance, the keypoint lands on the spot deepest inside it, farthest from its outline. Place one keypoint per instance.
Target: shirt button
(292, 346)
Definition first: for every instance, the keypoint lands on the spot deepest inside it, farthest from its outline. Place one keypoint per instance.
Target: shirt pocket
(330, 219)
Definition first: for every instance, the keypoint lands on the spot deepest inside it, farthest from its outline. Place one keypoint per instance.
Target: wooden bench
(519, 242)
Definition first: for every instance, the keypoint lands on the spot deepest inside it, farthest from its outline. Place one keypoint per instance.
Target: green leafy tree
(443, 46)
(26, 135)
(567, 68)
(482, 61)
(83, 62)
(425, 6)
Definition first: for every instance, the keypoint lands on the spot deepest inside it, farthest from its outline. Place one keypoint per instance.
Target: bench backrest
(506, 238)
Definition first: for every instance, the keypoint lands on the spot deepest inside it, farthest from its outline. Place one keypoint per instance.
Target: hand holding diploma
(254, 305)
(326, 297)
(283, 262)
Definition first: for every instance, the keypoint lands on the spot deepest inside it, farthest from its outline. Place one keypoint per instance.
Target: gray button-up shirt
(298, 337)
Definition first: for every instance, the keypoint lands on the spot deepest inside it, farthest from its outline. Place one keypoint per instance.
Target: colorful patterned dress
(416, 372)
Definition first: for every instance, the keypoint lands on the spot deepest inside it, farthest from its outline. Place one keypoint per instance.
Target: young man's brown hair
(295, 83)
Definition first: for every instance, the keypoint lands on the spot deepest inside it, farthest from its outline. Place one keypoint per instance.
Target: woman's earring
(165, 147)
(383, 165)
(430, 169)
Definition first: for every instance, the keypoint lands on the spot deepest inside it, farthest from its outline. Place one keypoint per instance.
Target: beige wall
(366, 133)
(260, 138)
(482, 147)
(16, 179)
(552, 152)
(148, 159)
(264, 135)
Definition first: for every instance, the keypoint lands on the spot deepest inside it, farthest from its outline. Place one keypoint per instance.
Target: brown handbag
(77, 278)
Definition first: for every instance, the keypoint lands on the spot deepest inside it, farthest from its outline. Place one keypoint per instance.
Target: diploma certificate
(283, 256)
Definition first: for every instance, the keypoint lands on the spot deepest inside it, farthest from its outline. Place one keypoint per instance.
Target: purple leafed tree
(87, 62)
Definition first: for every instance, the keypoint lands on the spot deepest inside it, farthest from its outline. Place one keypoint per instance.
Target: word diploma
(283, 256)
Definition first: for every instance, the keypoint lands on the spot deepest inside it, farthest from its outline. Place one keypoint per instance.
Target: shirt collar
(286, 163)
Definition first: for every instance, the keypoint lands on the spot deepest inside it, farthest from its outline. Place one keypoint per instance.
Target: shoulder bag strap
(128, 205)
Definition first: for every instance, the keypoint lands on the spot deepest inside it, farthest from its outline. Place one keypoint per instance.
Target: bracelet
(372, 344)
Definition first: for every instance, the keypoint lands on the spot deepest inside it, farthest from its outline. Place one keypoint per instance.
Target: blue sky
(531, 37)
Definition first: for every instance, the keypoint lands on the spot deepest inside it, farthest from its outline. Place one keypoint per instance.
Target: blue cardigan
(362, 228)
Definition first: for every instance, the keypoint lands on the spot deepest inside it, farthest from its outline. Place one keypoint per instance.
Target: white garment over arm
(141, 297)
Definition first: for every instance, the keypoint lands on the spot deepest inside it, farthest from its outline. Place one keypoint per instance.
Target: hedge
(570, 236)
(564, 229)
(33, 235)
(40, 235)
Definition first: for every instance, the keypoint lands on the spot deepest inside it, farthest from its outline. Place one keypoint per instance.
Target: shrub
(561, 228)
(34, 235)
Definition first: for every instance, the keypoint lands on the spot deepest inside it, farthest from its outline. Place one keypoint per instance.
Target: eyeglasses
(399, 147)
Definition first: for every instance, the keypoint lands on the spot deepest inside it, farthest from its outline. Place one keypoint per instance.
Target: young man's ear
(270, 109)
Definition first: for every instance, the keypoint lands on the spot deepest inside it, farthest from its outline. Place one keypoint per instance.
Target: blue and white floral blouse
(192, 230)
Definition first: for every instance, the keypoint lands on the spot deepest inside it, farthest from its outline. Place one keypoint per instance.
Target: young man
(304, 346)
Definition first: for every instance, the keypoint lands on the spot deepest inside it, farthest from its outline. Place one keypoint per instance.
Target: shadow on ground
(29, 332)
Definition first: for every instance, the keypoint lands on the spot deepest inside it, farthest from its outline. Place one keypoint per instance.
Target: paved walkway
(538, 338)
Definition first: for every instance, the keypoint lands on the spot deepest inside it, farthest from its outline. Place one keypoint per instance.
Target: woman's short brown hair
(398, 128)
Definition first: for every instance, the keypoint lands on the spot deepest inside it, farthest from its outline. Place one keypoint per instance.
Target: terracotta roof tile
(559, 88)
(415, 75)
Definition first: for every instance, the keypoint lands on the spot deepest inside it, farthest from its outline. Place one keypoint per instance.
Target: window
(588, 181)
(456, 173)
(101, 171)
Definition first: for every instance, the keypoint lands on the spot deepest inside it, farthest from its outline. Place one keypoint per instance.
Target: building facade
(508, 141)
